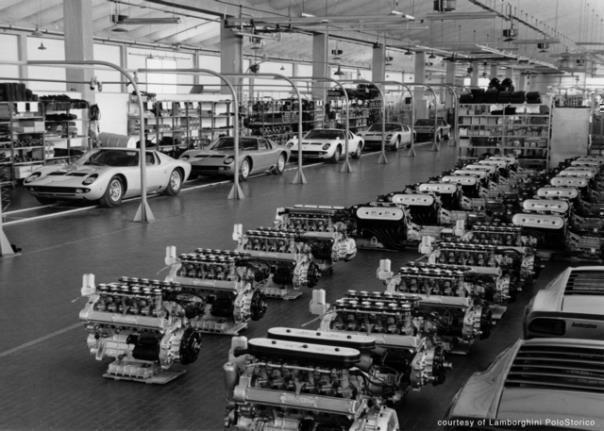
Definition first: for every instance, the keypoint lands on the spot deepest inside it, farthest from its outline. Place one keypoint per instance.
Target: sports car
(108, 175)
(543, 383)
(397, 136)
(572, 305)
(327, 144)
(256, 154)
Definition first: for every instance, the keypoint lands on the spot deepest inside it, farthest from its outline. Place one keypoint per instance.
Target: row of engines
(565, 214)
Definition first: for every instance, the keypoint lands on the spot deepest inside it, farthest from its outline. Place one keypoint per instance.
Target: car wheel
(280, 166)
(174, 183)
(245, 169)
(114, 193)
(357, 153)
(45, 201)
(337, 154)
(397, 144)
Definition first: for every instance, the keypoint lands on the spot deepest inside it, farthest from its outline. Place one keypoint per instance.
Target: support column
(521, 84)
(509, 73)
(378, 67)
(475, 74)
(196, 66)
(22, 53)
(78, 28)
(421, 109)
(449, 79)
(493, 71)
(123, 63)
(320, 65)
(231, 48)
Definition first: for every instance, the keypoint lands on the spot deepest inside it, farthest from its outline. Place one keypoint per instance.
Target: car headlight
(90, 179)
(228, 160)
(289, 144)
(389, 136)
(184, 157)
(32, 177)
(326, 147)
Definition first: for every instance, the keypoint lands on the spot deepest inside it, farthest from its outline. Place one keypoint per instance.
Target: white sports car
(326, 144)
(108, 175)
(397, 136)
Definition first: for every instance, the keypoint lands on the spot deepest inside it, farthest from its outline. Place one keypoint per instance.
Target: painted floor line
(40, 339)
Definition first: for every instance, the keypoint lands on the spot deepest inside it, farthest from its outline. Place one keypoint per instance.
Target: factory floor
(48, 378)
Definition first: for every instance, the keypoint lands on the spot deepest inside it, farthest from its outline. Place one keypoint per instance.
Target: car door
(157, 173)
(263, 155)
(353, 142)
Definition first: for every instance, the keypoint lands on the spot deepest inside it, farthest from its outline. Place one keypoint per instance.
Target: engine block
(288, 253)
(395, 365)
(325, 227)
(225, 284)
(275, 384)
(143, 325)
(394, 318)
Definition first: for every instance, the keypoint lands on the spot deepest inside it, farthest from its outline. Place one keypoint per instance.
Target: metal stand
(236, 192)
(6, 249)
(346, 167)
(299, 178)
(383, 160)
(144, 213)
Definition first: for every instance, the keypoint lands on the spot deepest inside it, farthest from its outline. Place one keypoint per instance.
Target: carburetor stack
(143, 325)
(287, 252)
(453, 308)
(225, 285)
(276, 384)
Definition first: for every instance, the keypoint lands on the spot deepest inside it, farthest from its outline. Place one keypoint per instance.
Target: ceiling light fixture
(339, 71)
(42, 47)
(408, 52)
(37, 32)
(431, 56)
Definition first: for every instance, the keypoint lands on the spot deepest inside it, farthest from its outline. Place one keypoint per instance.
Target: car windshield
(425, 122)
(325, 134)
(113, 158)
(227, 143)
(390, 127)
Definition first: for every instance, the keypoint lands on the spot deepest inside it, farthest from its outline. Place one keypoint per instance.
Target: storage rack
(177, 125)
(22, 145)
(66, 127)
(360, 113)
(522, 130)
(277, 120)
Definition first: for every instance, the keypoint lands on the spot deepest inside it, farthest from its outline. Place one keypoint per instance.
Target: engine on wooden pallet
(585, 216)
(275, 384)
(324, 226)
(225, 284)
(396, 364)
(289, 253)
(144, 325)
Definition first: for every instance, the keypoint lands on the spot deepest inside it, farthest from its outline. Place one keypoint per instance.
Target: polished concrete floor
(50, 381)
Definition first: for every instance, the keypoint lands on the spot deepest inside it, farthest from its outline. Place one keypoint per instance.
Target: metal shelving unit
(177, 125)
(522, 130)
